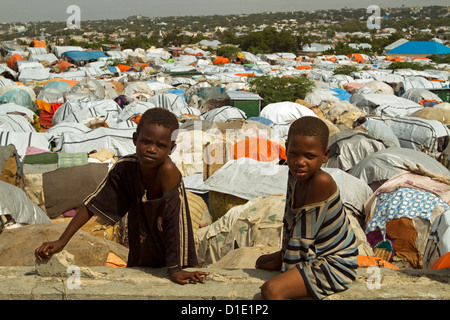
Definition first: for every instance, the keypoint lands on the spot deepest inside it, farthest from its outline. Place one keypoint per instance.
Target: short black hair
(159, 116)
(311, 127)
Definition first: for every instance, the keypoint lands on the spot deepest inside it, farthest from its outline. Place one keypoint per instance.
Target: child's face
(153, 145)
(305, 156)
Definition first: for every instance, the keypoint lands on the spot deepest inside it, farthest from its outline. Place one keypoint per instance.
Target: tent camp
(83, 111)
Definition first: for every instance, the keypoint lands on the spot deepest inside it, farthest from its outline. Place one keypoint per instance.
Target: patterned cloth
(403, 202)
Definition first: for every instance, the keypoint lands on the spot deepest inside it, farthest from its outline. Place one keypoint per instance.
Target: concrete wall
(109, 283)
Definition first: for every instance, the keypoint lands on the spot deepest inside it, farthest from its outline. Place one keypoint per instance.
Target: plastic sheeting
(385, 104)
(23, 140)
(382, 165)
(281, 112)
(15, 123)
(417, 133)
(15, 204)
(438, 242)
(119, 141)
(248, 179)
(418, 94)
(349, 147)
(80, 111)
(224, 114)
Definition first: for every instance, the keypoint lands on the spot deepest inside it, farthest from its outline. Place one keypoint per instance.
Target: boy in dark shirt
(148, 186)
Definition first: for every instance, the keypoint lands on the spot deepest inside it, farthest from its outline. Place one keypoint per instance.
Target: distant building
(395, 44)
(418, 49)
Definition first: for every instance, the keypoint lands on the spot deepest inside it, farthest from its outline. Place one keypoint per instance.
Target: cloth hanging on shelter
(403, 202)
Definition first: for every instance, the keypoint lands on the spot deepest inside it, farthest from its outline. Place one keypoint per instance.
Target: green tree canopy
(277, 89)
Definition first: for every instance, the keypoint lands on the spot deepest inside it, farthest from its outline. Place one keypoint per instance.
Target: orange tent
(251, 74)
(442, 262)
(330, 58)
(260, 149)
(123, 67)
(39, 44)
(396, 59)
(303, 67)
(71, 82)
(221, 60)
(63, 65)
(357, 57)
(12, 60)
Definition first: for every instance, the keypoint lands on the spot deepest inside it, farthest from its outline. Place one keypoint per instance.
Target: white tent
(280, 112)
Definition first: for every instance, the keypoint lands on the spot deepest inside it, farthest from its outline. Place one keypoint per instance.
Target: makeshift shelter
(280, 112)
(401, 212)
(15, 123)
(422, 96)
(376, 128)
(134, 109)
(91, 113)
(224, 114)
(341, 113)
(12, 61)
(16, 209)
(221, 60)
(382, 165)
(430, 136)
(88, 85)
(18, 96)
(436, 254)
(384, 104)
(258, 221)
(117, 140)
(82, 57)
(349, 147)
(10, 166)
(377, 87)
(432, 113)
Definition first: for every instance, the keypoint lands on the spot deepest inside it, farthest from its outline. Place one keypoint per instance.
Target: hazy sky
(56, 10)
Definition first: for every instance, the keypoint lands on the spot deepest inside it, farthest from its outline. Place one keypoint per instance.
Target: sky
(56, 10)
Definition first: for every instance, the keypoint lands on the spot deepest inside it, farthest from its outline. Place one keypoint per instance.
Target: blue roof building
(419, 49)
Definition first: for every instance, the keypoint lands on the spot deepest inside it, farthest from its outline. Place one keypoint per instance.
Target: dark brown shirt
(160, 230)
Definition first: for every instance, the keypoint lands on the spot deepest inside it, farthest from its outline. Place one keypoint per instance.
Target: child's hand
(48, 248)
(271, 261)
(184, 277)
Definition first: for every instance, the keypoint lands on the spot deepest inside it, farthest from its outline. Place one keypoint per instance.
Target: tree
(269, 40)
(277, 89)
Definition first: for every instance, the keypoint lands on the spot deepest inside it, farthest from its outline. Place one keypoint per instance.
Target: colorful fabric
(403, 202)
(319, 241)
(72, 159)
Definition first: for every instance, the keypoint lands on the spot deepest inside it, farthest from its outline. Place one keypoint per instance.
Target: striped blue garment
(319, 240)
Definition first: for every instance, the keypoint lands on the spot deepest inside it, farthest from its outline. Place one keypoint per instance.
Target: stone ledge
(108, 283)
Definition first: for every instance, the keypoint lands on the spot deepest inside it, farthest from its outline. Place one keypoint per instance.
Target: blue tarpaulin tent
(77, 56)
